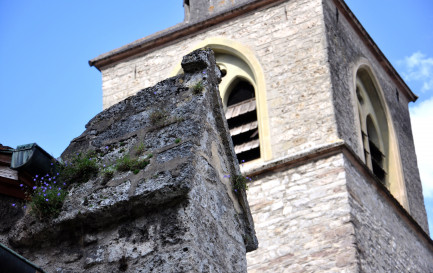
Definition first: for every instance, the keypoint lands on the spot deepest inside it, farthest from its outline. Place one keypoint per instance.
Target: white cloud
(418, 67)
(422, 126)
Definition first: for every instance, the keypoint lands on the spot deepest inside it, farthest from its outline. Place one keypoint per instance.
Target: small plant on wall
(140, 149)
(48, 195)
(80, 168)
(45, 199)
(158, 117)
(239, 182)
(125, 164)
(198, 87)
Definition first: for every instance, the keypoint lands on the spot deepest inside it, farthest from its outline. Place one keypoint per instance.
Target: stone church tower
(318, 117)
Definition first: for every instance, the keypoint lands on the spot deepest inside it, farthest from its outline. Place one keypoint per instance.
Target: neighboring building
(9, 178)
(320, 118)
(19, 166)
(17, 169)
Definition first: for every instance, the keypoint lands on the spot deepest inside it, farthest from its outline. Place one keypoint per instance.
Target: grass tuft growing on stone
(80, 169)
(125, 164)
(239, 183)
(107, 174)
(140, 149)
(197, 88)
(158, 117)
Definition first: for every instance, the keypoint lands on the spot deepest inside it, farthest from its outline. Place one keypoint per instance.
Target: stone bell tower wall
(312, 207)
(348, 50)
(288, 40)
(388, 239)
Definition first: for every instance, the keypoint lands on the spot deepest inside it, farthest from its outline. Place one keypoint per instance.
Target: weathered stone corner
(177, 214)
(197, 60)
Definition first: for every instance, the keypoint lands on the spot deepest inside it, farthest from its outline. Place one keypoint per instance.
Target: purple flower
(58, 194)
(21, 185)
(54, 182)
(236, 190)
(34, 187)
(36, 176)
(45, 194)
(57, 173)
(51, 164)
(49, 179)
(106, 147)
(34, 179)
(50, 187)
(64, 184)
(24, 207)
(104, 165)
(13, 205)
(60, 188)
(154, 93)
(46, 200)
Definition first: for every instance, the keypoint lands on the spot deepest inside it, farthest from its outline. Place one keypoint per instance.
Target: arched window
(241, 114)
(379, 141)
(374, 126)
(239, 97)
(243, 83)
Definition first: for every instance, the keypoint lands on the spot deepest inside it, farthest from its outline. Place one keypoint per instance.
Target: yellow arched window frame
(377, 136)
(244, 66)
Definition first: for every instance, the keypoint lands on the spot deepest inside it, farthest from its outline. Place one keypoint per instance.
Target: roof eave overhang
(185, 29)
(179, 31)
(368, 41)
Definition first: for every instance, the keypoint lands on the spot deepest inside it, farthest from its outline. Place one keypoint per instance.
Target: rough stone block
(178, 213)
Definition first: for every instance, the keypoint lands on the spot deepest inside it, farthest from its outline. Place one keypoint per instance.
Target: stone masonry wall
(385, 241)
(302, 218)
(303, 213)
(177, 214)
(9, 215)
(199, 10)
(346, 50)
(288, 40)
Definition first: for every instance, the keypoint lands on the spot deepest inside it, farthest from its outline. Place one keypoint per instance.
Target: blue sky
(48, 91)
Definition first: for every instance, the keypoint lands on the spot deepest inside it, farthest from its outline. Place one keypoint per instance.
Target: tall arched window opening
(374, 127)
(241, 114)
(242, 80)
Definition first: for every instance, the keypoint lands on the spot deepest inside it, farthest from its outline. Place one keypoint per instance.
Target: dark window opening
(242, 120)
(376, 155)
(359, 96)
(377, 161)
(241, 92)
